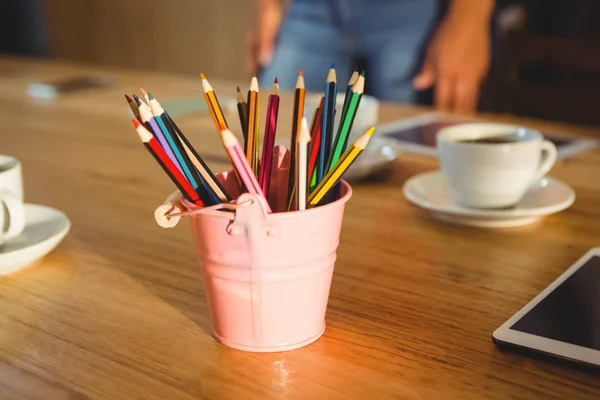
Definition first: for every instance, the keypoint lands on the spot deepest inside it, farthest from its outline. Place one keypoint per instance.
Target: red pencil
(167, 165)
(134, 108)
(266, 162)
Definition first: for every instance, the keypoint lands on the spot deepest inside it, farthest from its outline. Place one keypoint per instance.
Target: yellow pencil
(213, 104)
(335, 173)
(252, 125)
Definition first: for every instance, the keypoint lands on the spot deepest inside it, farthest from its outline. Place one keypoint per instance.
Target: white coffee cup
(12, 214)
(490, 165)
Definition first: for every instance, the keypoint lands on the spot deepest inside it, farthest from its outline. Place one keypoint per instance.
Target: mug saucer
(431, 191)
(45, 227)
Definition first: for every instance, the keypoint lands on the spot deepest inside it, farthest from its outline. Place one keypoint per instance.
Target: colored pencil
(190, 172)
(251, 148)
(134, 107)
(149, 122)
(328, 120)
(242, 107)
(213, 104)
(302, 180)
(214, 188)
(345, 126)
(315, 141)
(242, 165)
(266, 161)
(351, 83)
(215, 110)
(167, 165)
(335, 173)
(296, 122)
(145, 94)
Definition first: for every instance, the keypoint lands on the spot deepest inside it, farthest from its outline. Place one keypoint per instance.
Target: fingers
(426, 78)
(456, 94)
(444, 91)
(465, 96)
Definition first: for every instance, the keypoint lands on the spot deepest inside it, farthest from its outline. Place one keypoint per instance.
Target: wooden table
(118, 310)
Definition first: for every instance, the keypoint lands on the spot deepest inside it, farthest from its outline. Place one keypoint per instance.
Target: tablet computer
(418, 135)
(563, 320)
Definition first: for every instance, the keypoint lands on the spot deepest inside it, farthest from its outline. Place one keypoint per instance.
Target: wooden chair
(548, 73)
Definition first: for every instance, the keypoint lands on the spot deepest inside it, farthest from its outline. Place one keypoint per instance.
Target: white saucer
(380, 152)
(45, 227)
(430, 191)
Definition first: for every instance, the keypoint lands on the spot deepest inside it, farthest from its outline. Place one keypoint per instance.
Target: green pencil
(346, 121)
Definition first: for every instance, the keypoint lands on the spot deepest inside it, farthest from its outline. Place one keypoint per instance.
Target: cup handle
(16, 215)
(549, 155)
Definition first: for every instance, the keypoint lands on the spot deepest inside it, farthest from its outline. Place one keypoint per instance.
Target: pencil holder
(267, 276)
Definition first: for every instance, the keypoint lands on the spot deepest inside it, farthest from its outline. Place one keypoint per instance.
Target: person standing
(406, 46)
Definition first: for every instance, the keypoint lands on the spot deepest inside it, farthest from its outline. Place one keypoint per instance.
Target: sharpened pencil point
(300, 73)
(254, 84)
(202, 76)
(150, 97)
(362, 73)
(129, 99)
(137, 100)
(143, 92)
(276, 80)
(135, 122)
(332, 66)
(229, 138)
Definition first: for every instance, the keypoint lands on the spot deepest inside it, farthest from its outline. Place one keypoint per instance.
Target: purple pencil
(150, 123)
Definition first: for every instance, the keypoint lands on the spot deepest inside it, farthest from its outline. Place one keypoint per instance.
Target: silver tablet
(564, 320)
(417, 135)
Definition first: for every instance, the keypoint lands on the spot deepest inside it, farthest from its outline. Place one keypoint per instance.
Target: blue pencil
(328, 120)
(150, 124)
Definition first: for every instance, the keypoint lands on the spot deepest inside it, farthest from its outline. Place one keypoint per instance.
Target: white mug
(489, 165)
(12, 213)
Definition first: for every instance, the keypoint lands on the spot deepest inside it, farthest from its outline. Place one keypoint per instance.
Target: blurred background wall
(548, 51)
(182, 36)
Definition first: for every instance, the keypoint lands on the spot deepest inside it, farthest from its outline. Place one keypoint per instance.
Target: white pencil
(302, 170)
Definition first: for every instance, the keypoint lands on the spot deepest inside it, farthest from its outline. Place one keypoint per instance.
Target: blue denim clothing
(389, 35)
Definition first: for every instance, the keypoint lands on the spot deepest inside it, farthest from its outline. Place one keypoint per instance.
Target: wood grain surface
(118, 310)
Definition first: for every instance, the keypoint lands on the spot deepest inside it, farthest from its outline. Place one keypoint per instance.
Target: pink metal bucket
(267, 276)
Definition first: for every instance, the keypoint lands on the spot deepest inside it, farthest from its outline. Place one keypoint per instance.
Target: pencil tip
(137, 100)
(362, 73)
(143, 92)
(276, 80)
(202, 76)
(150, 97)
(301, 73)
(238, 90)
(370, 131)
(129, 99)
(135, 122)
(332, 66)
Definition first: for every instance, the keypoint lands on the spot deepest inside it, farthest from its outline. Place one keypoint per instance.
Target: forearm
(469, 11)
(268, 4)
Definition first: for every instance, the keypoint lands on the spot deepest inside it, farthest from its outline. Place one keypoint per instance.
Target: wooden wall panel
(185, 36)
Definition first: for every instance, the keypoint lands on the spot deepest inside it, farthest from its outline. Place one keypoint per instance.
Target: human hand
(260, 40)
(456, 62)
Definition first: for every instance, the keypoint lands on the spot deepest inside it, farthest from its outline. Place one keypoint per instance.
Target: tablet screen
(425, 134)
(571, 312)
